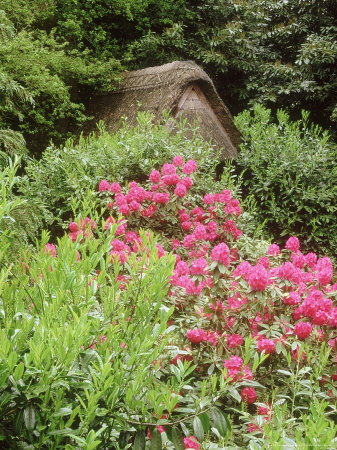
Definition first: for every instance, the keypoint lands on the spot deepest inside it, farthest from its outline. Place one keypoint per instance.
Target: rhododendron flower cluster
(191, 442)
(225, 300)
(248, 395)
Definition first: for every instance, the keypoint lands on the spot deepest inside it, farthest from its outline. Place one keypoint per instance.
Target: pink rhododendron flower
(234, 340)
(293, 244)
(191, 442)
(196, 336)
(186, 225)
(171, 180)
(248, 395)
(189, 241)
(273, 250)
(200, 232)
(302, 330)
(134, 206)
(50, 250)
(267, 345)
(264, 261)
(258, 278)
(73, 227)
(155, 176)
(190, 167)
(161, 197)
(209, 199)
(198, 266)
(293, 298)
(187, 182)
(180, 190)
(104, 186)
(178, 161)
(168, 169)
(220, 253)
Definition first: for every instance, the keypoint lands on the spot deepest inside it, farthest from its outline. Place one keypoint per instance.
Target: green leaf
(11, 360)
(139, 443)
(220, 421)
(177, 439)
(29, 417)
(18, 372)
(204, 419)
(198, 429)
(156, 442)
(63, 412)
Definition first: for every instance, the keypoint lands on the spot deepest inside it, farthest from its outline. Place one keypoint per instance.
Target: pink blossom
(298, 259)
(182, 268)
(273, 250)
(190, 167)
(248, 395)
(234, 340)
(171, 180)
(310, 260)
(104, 186)
(302, 330)
(73, 226)
(124, 210)
(220, 253)
(184, 217)
(161, 198)
(180, 190)
(155, 176)
(168, 169)
(191, 442)
(187, 182)
(50, 250)
(189, 241)
(134, 206)
(293, 298)
(115, 188)
(200, 232)
(196, 336)
(258, 278)
(178, 161)
(267, 345)
(186, 225)
(293, 244)
(264, 261)
(209, 199)
(198, 266)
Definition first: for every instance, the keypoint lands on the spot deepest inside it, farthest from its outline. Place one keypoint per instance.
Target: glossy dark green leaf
(204, 419)
(220, 421)
(177, 439)
(139, 443)
(156, 442)
(29, 417)
(198, 429)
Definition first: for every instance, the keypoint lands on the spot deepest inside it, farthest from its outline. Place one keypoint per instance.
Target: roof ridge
(153, 78)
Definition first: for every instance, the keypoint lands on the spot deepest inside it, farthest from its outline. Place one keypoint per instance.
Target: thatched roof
(161, 88)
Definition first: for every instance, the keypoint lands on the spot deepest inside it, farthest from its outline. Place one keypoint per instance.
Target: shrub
(65, 175)
(289, 168)
(114, 337)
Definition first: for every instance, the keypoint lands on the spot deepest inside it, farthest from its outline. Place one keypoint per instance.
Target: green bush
(290, 169)
(64, 176)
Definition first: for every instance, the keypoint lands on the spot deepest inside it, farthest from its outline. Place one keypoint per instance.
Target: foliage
(280, 53)
(63, 176)
(42, 93)
(115, 338)
(290, 169)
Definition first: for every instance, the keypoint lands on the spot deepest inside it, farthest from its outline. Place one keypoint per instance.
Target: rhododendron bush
(172, 327)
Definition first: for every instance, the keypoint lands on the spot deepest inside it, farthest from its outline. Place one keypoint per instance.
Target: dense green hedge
(290, 169)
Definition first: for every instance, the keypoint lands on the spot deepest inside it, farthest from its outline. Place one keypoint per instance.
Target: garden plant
(158, 322)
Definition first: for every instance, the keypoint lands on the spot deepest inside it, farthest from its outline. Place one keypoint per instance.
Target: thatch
(179, 87)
